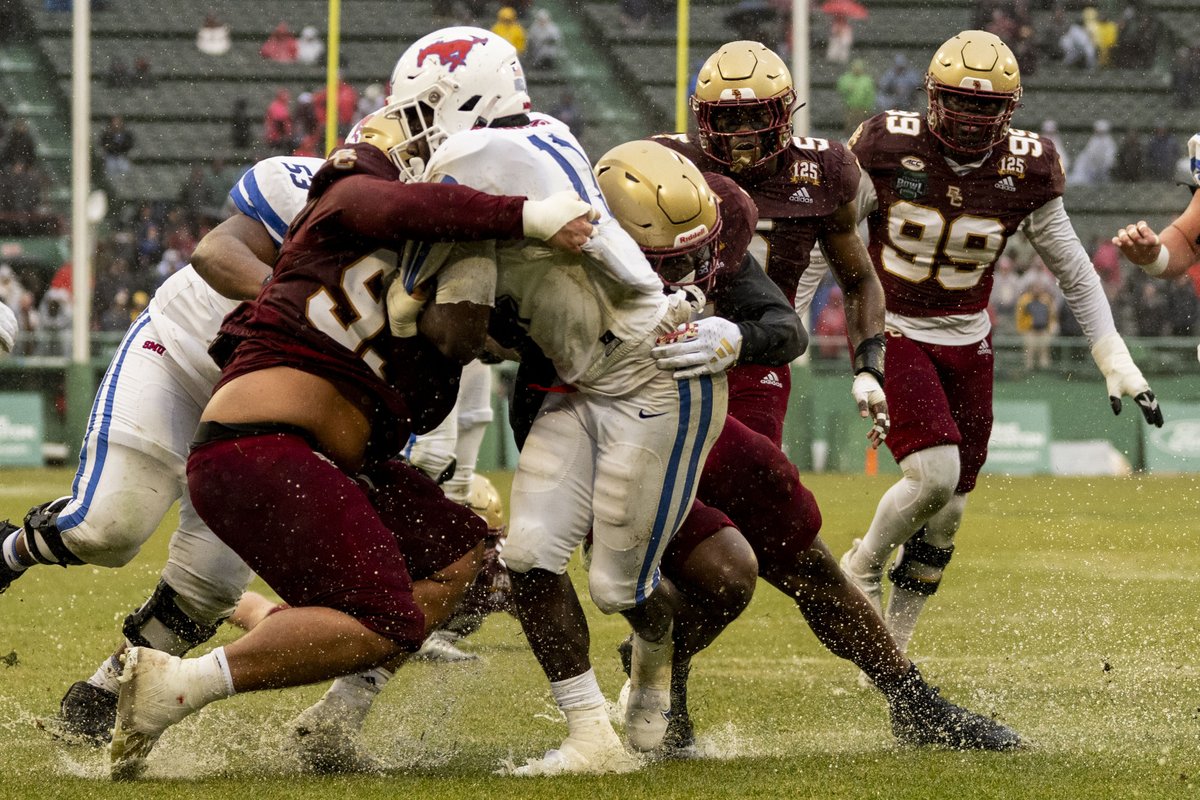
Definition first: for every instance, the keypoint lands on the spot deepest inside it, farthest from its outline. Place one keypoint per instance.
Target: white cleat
(157, 691)
(869, 582)
(441, 646)
(648, 708)
(580, 756)
(326, 743)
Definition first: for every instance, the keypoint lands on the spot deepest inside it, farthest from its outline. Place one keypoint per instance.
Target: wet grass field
(1071, 612)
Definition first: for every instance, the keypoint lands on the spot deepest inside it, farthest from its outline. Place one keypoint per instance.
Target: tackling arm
(235, 257)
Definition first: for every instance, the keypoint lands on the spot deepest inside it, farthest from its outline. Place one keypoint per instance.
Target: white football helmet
(453, 80)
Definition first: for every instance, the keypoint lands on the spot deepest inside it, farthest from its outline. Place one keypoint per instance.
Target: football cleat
(441, 646)
(86, 715)
(578, 755)
(649, 708)
(327, 745)
(921, 716)
(7, 575)
(680, 738)
(869, 583)
(157, 690)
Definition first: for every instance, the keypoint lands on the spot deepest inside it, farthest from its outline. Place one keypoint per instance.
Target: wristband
(1159, 265)
(868, 356)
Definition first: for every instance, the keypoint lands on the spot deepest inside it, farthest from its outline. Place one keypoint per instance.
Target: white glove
(1194, 156)
(1124, 378)
(872, 402)
(8, 328)
(404, 308)
(544, 218)
(705, 347)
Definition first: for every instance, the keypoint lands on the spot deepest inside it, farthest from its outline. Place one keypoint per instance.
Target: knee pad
(611, 595)
(42, 536)
(935, 473)
(919, 565)
(161, 624)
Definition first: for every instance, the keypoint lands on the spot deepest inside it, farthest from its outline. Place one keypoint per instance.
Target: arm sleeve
(772, 334)
(393, 212)
(1052, 236)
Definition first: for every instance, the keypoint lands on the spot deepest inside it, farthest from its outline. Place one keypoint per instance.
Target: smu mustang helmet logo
(451, 54)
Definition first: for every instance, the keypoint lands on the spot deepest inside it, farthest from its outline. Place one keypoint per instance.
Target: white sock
(582, 703)
(904, 607)
(350, 697)
(9, 548)
(105, 676)
(208, 678)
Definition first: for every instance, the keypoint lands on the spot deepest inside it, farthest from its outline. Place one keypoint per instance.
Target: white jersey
(586, 313)
(187, 312)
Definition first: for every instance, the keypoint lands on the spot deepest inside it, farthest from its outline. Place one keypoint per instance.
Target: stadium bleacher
(625, 81)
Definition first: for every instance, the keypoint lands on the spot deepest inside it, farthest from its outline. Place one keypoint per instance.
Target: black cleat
(86, 715)
(921, 716)
(680, 739)
(7, 576)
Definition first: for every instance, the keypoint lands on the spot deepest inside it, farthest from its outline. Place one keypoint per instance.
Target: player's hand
(562, 220)
(403, 308)
(705, 347)
(1139, 243)
(1123, 378)
(873, 404)
(8, 328)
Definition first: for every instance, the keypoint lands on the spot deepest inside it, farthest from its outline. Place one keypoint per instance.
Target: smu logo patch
(451, 54)
(155, 346)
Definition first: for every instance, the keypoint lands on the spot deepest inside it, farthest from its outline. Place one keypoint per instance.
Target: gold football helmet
(384, 130)
(484, 500)
(743, 105)
(663, 202)
(974, 87)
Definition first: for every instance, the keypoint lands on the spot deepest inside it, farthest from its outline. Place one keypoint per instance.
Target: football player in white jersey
(1150, 251)
(942, 193)
(8, 328)
(618, 443)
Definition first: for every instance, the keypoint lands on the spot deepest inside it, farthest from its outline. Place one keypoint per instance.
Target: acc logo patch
(913, 163)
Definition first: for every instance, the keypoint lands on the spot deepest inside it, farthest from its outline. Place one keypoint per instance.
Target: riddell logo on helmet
(451, 54)
(691, 236)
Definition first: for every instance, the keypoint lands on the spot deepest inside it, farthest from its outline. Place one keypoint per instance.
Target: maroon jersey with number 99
(935, 235)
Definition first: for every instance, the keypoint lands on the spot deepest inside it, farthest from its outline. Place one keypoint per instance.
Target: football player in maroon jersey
(662, 200)
(313, 387)
(943, 192)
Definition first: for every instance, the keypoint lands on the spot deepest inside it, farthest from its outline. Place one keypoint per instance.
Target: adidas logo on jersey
(772, 379)
(801, 195)
(985, 349)
(1006, 183)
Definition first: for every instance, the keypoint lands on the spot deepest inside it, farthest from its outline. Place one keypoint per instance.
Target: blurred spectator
(11, 288)
(1036, 321)
(1002, 24)
(507, 26)
(1131, 158)
(1050, 33)
(193, 192)
(857, 90)
(841, 39)
(347, 104)
(567, 112)
(116, 141)
(137, 304)
(55, 315)
(143, 72)
(1050, 131)
(1095, 162)
(280, 46)
(1103, 32)
(1006, 290)
(213, 37)
(277, 123)
(310, 48)
(172, 261)
(1078, 49)
(1138, 35)
(898, 86)
(830, 327)
(634, 15)
(118, 74)
(1162, 151)
(1182, 306)
(115, 277)
(1151, 315)
(115, 317)
(20, 145)
(545, 40)
(22, 209)
(149, 247)
(1106, 258)
(1185, 77)
(241, 128)
(29, 325)
(304, 117)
